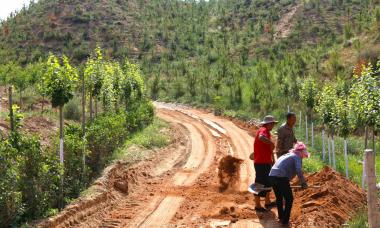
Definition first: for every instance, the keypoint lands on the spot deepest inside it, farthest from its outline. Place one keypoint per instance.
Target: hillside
(196, 51)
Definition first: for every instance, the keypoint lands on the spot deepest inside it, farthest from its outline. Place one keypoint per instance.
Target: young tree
(93, 75)
(133, 85)
(364, 101)
(308, 94)
(325, 108)
(59, 80)
(341, 120)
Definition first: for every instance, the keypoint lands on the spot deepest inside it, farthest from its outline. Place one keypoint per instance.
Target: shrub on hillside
(10, 196)
(76, 173)
(71, 110)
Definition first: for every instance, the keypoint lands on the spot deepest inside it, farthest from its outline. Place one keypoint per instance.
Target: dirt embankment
(331, 205)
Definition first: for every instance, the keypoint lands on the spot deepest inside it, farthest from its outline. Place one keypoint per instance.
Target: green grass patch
(359, 221)
(142, 143)
(355, 154)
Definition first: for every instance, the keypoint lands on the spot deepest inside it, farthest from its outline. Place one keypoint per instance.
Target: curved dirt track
(181, 188)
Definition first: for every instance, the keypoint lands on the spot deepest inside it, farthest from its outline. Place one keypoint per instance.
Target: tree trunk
(96, 107)
(373, 218)
(11, 109)
(333, 149)
(373, 140)
(366, 138)
(20, 98)
(83, 108)
(346, 156)
(306, 132)
(300, 124)
(312, 134)
(61, 155)
(91, 109)
(323, 145)
(43, 103)
(83, 129)
(329, 148)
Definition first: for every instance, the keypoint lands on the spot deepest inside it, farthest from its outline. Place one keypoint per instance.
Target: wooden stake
(323, 146)
(11, 109)
(300, 124)
(312, 134)
(329, 148)
(306, 132)
(346, 157)
(333, 150)
(373, 218)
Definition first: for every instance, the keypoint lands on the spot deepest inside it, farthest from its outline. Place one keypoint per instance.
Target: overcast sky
(8, 6)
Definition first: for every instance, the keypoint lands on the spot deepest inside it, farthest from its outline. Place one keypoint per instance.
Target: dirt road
(180, 188)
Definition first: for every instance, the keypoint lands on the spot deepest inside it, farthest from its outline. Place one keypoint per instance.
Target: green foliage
(39, 178)
(59, 80)
(10, 195)
(133, 85)
(71, 110)
(309, 92)
(108, 132)
(28, 178)
(341, 115)
(103, 136)
(76, 173)
(326, 103)
(364, 98)
(93, 73)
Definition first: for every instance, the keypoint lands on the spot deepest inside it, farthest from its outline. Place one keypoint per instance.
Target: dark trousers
(282, 190)
(262, 176)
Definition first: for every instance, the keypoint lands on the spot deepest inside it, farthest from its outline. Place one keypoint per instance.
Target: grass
(142, 143)
(359, 221)
(355, 155)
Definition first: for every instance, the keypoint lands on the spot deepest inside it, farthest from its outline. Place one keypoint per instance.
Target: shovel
(311, 186)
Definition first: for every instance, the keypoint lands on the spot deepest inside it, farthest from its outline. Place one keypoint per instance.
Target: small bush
(72, 110)
(104, 135)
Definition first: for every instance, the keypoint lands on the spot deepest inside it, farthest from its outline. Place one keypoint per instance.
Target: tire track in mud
(202, 151)
(241, 143)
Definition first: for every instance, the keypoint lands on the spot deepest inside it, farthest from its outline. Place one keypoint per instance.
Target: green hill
(199, 51)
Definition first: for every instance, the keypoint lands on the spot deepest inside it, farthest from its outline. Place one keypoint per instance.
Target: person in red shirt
(263, 159)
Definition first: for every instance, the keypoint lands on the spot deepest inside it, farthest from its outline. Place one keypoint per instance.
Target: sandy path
(202, 152)
(181, 188)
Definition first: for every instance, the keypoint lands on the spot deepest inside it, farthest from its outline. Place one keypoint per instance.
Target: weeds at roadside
(141, 143)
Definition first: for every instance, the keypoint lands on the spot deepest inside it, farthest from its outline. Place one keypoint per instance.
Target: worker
(283, 171)
(263, 158)
(285, 135)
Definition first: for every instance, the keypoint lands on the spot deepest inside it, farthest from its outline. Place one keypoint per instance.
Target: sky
(8, 6)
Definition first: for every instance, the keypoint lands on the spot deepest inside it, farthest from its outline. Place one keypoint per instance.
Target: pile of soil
(331, 205)
(228, 172)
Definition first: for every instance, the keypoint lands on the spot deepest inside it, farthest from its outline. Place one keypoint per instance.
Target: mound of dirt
(228, 172)
(331, 205)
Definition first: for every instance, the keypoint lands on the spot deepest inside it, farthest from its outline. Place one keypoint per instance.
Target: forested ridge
(215, 52)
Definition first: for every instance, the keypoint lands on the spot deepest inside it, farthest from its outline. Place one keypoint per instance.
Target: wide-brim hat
(268, 119)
